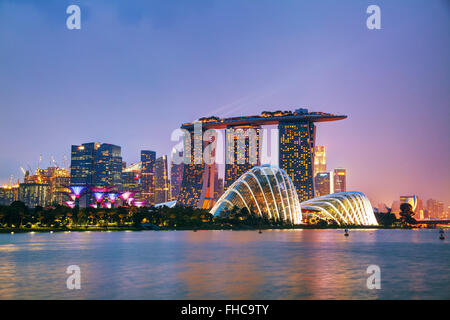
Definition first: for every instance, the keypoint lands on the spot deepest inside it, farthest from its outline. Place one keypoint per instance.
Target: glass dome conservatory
(266, 191)
(345, 208)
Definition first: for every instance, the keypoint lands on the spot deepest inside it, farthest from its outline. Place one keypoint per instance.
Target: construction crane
(54, 162)
(65, 161)
(39, 163)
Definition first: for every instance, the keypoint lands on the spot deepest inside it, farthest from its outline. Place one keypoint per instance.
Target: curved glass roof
(345, 208)
(266, 191)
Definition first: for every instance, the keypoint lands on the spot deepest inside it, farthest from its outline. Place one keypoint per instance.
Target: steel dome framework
(267, 191)
(345, 208)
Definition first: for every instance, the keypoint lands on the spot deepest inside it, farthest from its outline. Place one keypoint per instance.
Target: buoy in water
(346, 233)
(441, 237)
(259, 231)
(12, 232)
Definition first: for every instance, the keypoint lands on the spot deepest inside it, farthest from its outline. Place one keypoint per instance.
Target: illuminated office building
(148, 159)
(161, 180)
(339, 179)
(324, 183)
(108, 165)
(320, 160)
(242, 151)
(96, 164)
(131, 180)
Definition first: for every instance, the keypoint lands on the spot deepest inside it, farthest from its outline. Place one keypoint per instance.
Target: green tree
(406, 214)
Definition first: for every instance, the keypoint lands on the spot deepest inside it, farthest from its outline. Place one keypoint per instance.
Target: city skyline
(393, 143)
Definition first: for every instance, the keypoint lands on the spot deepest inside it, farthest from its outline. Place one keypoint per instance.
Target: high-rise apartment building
(161, 180)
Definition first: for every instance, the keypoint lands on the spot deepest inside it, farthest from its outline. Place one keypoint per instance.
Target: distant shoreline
(235, 228)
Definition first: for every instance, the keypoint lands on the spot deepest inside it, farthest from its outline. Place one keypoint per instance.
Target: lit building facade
(96, 164)
(131, 180)
(197, 187)
(296, 152)
(148, 159)
(242, 151)
(59, 179)
(34, 194)
(435, 209)
(161, 180)
(320, 160)
(108, 165)
(324, 183)
(9, 194)
(340, 180)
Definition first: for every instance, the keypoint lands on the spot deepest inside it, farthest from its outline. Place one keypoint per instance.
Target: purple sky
(136, 71)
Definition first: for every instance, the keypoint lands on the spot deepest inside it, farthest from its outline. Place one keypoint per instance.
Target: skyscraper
(148, 159)
(96, 164)
(320, 160)
(435, 209)
(108, 165)
(324, 183)
(195, 171)
(82, 164)
(296, 144)
(176, 176)
(242, 151)
(131, 180)
(161, 180)
(339, 178)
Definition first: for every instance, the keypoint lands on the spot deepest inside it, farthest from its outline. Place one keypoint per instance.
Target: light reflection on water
(278, 264)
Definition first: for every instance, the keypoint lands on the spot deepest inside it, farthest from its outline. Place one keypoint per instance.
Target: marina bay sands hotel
(296, 141)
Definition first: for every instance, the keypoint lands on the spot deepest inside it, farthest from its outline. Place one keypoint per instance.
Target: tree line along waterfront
(18, 217)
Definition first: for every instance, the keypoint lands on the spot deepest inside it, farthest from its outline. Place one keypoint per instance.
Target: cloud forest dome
(267, 191)
(345, 208)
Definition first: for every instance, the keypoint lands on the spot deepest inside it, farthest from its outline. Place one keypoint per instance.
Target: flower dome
(266, 191)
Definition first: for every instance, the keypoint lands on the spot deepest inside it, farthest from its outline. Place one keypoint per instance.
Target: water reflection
(278, 264)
